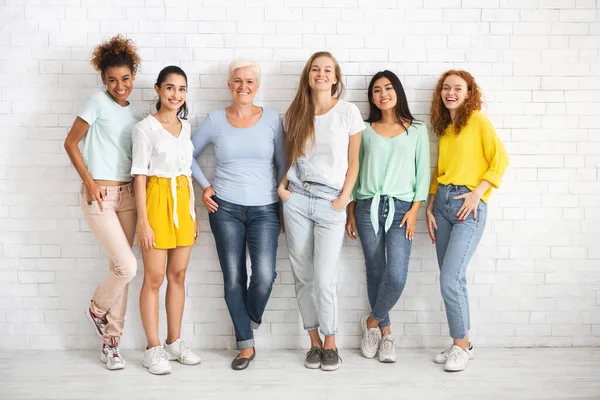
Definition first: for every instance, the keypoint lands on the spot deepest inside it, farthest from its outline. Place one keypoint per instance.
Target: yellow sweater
(474, 155)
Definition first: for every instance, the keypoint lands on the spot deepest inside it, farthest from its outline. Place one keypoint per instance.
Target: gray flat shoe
(239, 364)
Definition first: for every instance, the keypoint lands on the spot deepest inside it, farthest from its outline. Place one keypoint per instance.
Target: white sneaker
(457, 360)
(442, 357)
(178, 351)
(369, 344)
(111, 356)
(157, 361)
(387, 349)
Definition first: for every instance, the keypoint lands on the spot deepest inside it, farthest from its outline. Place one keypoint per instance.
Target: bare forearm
(430, 202)
(139, 188)
(284, 182)
(416, 205)
(77, 161)
(351, 176)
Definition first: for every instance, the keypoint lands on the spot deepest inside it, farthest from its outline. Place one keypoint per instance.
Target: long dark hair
(402, 110)
(182, 112)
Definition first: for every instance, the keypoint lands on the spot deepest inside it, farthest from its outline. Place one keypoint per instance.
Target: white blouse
(156, 152)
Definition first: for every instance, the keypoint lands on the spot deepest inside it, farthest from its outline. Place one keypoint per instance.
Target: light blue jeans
(315, 232)
(455, 244)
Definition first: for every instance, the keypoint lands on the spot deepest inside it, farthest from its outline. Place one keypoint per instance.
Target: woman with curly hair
(105, 124)
(471, 161)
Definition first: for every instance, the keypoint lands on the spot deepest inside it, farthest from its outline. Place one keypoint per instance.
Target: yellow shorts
(159, 206)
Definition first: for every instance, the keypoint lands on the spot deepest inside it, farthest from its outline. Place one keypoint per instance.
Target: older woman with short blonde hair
(242, 199)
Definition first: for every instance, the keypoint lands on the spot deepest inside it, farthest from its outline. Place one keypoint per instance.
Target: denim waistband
(314, 190)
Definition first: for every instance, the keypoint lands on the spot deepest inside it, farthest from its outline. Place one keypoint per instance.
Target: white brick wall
(536, 278)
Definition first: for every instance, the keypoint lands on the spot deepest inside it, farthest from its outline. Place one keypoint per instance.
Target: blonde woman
(323, 140)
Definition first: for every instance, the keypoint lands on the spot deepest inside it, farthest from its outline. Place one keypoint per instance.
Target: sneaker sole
(330, 367)
(165, 371)
(89, 318)
(457, 369)
(312, 366)
(440, 361)
(182, 362)
(389, 360)
(104, 360)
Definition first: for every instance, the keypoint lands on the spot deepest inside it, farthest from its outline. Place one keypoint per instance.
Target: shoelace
(454, 355)
(388, 343)
(446, 353)
(331, 354)
(114, 351)
(159, 354)
(313, 351)
(372, 337)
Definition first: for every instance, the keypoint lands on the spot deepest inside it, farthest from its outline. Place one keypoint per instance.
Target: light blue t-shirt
(250, 161)
(107, 144)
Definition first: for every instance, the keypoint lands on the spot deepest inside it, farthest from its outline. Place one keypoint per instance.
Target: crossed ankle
(372, 322)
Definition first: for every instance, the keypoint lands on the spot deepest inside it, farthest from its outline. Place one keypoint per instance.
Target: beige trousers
(114, 228)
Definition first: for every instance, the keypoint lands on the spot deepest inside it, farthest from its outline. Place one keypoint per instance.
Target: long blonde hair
(300, 117)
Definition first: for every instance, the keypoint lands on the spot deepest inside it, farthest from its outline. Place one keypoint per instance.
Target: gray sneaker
(313, 358)
(331, 360)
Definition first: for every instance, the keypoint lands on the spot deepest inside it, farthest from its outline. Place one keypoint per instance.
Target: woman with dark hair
(168, 227)
(104, 124)
(391, 185)
(471, 161)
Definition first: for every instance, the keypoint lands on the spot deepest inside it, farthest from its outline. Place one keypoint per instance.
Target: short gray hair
(243, 63)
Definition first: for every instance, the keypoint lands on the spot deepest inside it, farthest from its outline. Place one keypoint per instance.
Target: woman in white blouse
(167, 223)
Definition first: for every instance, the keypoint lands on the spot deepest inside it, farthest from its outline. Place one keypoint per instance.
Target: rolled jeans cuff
(245, 344)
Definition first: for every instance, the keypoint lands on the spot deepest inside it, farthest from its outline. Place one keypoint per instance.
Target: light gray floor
(569, 373)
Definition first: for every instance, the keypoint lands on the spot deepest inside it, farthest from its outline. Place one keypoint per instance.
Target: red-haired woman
(471, 162)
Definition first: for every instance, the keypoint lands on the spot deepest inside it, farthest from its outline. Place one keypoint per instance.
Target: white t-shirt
(158, 153)
(329, 153)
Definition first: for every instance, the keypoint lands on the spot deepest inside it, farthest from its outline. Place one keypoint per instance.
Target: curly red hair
(116, 52)
(440, 116)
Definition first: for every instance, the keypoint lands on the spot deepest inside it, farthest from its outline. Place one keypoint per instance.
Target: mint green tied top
(395, 167)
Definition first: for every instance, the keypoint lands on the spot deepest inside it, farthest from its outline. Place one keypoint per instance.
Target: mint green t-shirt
(396, 167)
(107, 144)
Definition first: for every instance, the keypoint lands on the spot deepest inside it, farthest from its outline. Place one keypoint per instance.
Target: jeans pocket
(93, 207)
(288, 199)
(335, 209)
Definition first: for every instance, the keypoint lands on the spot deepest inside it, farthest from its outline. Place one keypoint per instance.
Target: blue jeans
(233, 227)
(315, 232)
(455, 244)
(386, 255)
